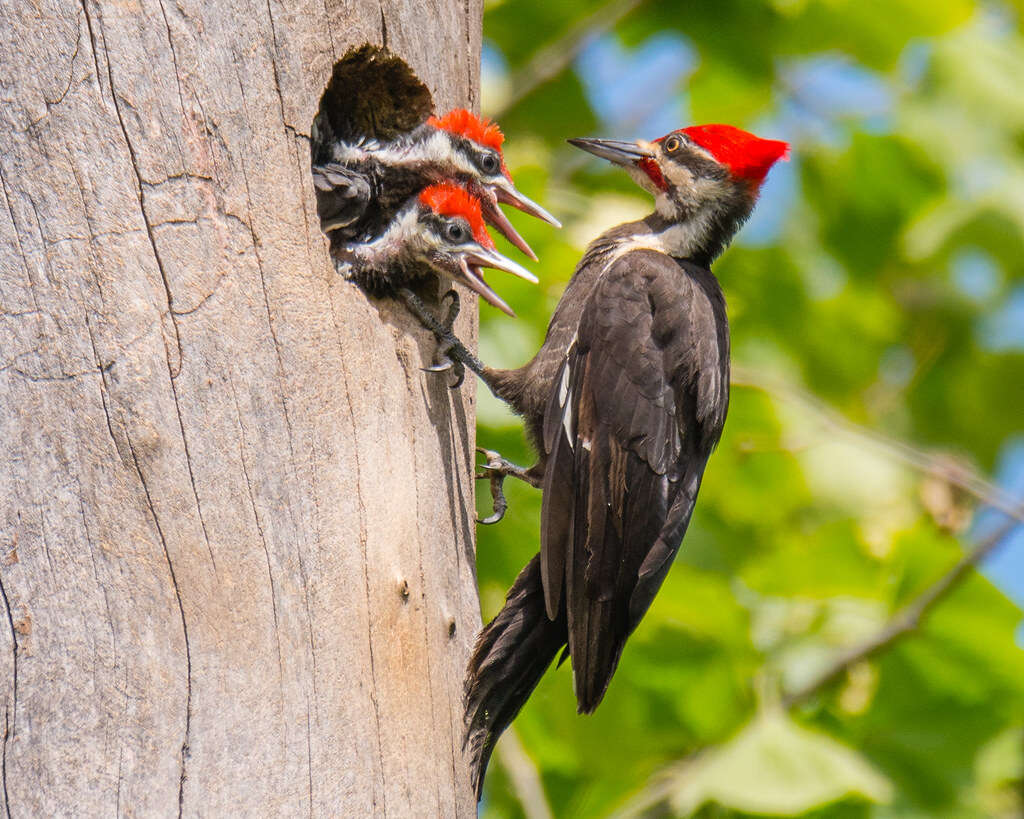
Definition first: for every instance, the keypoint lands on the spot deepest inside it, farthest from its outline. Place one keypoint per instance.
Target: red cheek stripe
(650, 167)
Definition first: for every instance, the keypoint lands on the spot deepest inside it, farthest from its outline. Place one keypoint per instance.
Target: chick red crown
(468, 125)
(447, 199)
(747, 156)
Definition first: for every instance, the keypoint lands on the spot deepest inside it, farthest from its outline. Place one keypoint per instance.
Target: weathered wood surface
(236, 536)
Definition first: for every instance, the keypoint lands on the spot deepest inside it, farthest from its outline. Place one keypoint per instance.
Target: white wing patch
(565, 400)
(565, 394)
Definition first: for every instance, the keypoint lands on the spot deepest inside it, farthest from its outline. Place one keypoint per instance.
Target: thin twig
(910, 617)
(555, 57)
(523, 773)
(955, 472)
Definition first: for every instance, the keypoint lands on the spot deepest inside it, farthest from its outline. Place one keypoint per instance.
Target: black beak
(614, 150)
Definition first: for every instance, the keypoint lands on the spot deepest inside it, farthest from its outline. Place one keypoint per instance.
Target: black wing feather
(342, 195)
(631, 422)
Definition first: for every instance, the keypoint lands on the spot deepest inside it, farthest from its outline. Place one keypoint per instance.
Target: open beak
(472, 276)
(494, 216)
(617, 151)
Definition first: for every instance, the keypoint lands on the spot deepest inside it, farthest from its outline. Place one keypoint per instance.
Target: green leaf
(775, 767)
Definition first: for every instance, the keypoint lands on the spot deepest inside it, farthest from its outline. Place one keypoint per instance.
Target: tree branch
(554, 58)
(910, 617)
(955, 472)
(524, 776)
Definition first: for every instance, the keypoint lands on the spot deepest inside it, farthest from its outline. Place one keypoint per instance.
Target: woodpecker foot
(446, 363)
(496, 470)
(451, 353)
(446, 343)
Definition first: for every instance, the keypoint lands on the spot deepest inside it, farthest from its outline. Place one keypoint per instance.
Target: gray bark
(236, 534)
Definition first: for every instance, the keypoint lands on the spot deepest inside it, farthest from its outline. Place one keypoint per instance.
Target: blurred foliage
(894, 238)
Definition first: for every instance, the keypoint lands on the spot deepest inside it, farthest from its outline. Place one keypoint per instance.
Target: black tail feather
(511, 655)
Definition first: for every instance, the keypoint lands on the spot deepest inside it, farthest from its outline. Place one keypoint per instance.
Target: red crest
(447, 199)
(747, 156)
(468, 125)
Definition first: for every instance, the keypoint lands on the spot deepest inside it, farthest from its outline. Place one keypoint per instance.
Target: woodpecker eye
(489, 164)
(457, 232)
(672, 144)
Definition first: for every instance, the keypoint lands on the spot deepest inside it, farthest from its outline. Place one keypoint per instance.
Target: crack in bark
(316, 503)
(178, 177)
(191, 474)
(471, 89)
(300, 172)
(330, 31)
(184, 625)
(259, 528)
(140, 193)
(309, 757)
(10, 719)
(51, 104)
(46, 549)
(177, 79)
(263, 284)
(24, 259)
(423, 577)
(120, 756)
(361, 507)
(47, 379)
(92, 40)
(273, 66)
(7, 798)
(202, 302)
(17, 233)
(104, 388)
(42, 241)
(454, 484)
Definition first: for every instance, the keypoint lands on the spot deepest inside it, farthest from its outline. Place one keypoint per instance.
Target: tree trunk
(236, 520)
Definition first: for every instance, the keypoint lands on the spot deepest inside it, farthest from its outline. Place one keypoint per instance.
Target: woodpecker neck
(699, 239)
(421, 147)
(697, 228)
(386, 260)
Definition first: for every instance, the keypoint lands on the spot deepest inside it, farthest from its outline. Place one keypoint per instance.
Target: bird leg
(496, 470)
(451, 353)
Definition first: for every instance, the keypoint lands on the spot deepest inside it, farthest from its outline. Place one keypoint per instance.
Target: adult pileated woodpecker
(440, 230)
(625, 401)
(376, 144)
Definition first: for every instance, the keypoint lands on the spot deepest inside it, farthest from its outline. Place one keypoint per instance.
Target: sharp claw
(490, 520)
(460, 375)
(496, 470)
(452, 353)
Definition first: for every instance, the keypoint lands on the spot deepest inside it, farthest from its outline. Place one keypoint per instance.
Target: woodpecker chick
(376, 143)
(625, 402)
(441, 230)
(480, 163)
(359, 189)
